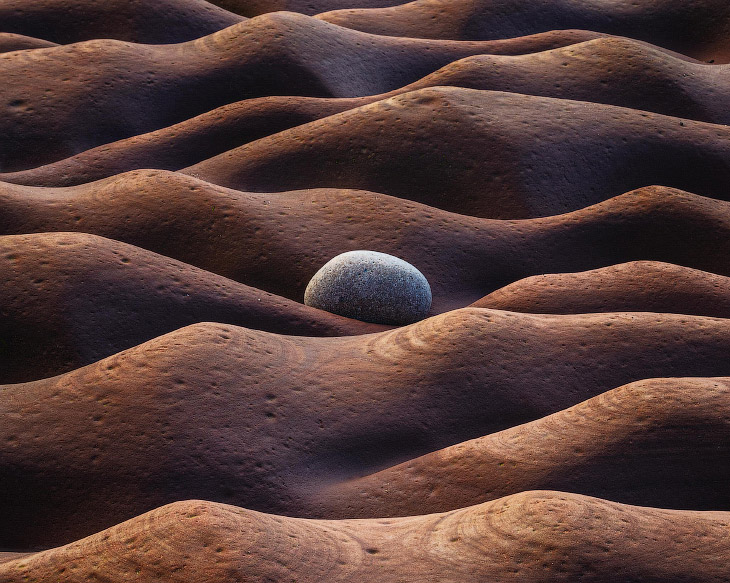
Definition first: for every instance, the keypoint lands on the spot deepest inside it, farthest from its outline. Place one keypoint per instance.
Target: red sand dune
(642, 286)
(700, 28)
(142, 21)
(247, 237)
(256, 7)
(489, 154)
(70, 299)
(259, 420)
(17, 42)
(530, 537)
(613, 71)
(659, 442)
(64, 100)
(163, 178)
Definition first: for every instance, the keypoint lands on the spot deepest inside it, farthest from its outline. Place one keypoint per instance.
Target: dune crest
(70, 299)
(68, 99)
(665, 23)
(141, 21)
(275, 416)
(534, 535)
(514, 156)
(611, 71)
(464, 258)
(642, 286)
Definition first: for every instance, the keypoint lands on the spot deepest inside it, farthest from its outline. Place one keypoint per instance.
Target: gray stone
(372, 287)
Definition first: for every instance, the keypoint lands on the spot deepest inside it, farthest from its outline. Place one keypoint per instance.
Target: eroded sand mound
(142, 21)
(642, 286)
(612, 71)
(630, 444)
(64, 100)
(698, 29)
(170, 184)
(70, 299)
(275, 414)
(534, 536)
(512, 156)
(247, 237)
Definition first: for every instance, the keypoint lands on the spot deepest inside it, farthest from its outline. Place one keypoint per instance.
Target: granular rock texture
(174, 173)
(370, 286)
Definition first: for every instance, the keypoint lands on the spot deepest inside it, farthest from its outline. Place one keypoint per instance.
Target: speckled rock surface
(370, 286)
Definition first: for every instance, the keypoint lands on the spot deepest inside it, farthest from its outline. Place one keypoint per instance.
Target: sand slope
(65, 100)
(513, 156)
(70, 299)
(644, 286)
(17, 42)
(256, 7)
(698, 29)
(613, 71)
(660, 442)
(247, 237)
(256, 419)
(534, 536)
(143, 21)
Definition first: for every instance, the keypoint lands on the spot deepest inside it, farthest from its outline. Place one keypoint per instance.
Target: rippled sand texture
(172, 174)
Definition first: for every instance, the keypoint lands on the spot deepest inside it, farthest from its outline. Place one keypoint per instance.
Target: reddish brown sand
(142, 21)
(64, 100)
(700, 28)
(643, 286)
(606, 70)
(247, 237)
(660, 442)
(530, 537)
(256, 7)
(70, 299)
(5, 557)
(489, 154)
(258, 420)
(17, 42)
(169, 185)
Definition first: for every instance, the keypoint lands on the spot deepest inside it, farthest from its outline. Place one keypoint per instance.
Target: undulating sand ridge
(174, 172)
(247, 237)
(484, 153)
(70, 299)
(607, 70)
(141, 21)
(260, 420)
(642, 286)
(699, 29)
(535, 536)
(252, 8)
(659, 442)
(17, 42)
(64, 100)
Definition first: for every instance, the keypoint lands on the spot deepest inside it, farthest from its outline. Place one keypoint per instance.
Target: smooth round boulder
(372, 287)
